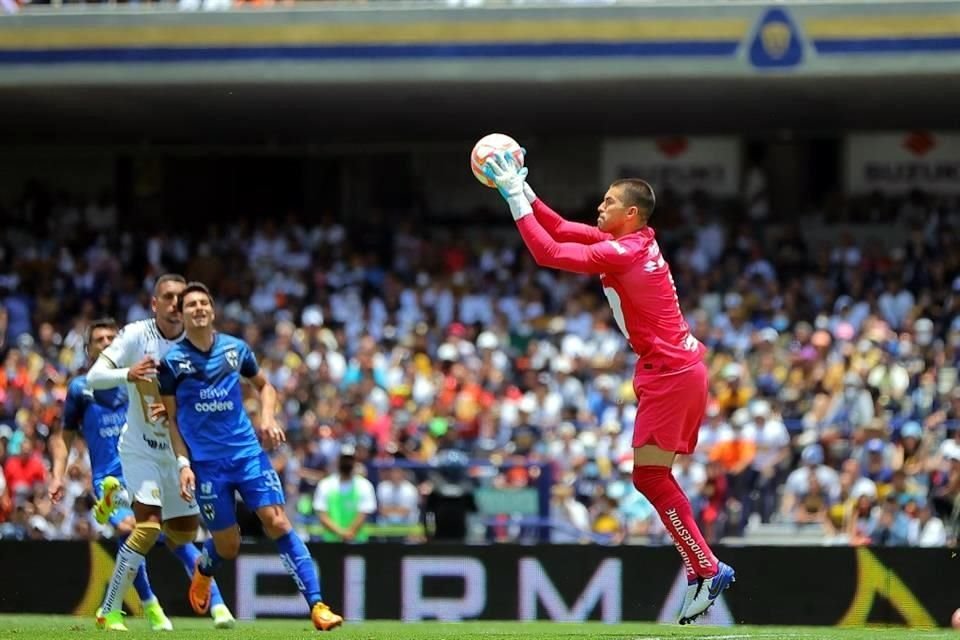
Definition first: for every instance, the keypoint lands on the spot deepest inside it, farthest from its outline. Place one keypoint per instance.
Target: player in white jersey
(146, 455)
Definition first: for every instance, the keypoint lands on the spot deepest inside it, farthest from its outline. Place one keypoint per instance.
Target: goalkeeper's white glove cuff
(528, 193)
(519, 206)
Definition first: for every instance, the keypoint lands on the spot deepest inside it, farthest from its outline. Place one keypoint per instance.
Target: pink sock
(663, 492)
(691, 574)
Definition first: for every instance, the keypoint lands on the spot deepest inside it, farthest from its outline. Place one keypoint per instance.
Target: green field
(70, 628)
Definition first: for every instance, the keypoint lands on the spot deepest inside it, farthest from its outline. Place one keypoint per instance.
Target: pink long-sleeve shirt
(636, 280)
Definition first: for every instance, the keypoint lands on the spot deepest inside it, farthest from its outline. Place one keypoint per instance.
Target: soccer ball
(955, 620)
(487, 146)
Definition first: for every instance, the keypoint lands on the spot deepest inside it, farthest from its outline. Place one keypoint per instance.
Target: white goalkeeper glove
(528, 192)
(502, 169)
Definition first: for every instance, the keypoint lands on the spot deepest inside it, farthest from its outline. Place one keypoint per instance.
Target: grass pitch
(72, 628)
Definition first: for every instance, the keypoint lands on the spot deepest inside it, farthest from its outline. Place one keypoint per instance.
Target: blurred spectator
(569, 518)
(344, 501)
(770, 462)
(860, 520)
(890, 526)
(875, 466)
(926, 530)
(851, 407)
(798, 487)
(736, 456)
(814, 502)
(25, 472)
(450, 494)
(606, 519)
(398, 498)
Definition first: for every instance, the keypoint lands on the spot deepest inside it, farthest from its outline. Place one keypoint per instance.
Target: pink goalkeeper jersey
(635, 278)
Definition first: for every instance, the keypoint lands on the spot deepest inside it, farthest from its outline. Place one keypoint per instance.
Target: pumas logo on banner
(776, 42)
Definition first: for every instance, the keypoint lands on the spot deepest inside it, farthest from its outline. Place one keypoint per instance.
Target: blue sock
(299, 565)
(188, 554)
(209, 558)
(142, 584)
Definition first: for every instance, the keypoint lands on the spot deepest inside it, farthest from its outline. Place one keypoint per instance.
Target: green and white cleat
(112, 621)
(222, 618)
(107, 504)
(156, 617)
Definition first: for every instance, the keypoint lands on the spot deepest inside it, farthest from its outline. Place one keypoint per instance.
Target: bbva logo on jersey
(233, 358)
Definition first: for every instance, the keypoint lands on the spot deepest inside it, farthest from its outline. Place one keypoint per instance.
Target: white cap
(487, 340)
(312, 317)
(447, 352)
(528, 404)
(314, 360)
(863, 487)
(604, 381)
(567, 429)
(732, 370)
(760, 409)
(740, 417)
(563, 364)
(768, 334)
(588, 439)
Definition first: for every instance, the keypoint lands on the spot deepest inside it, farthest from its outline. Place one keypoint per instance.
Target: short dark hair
(639, 193)
(168, 277)
(99, 323)
(193, 287)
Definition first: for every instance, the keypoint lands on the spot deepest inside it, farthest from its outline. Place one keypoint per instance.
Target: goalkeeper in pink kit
(670, 378)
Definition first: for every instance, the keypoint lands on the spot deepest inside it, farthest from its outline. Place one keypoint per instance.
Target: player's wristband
(183, 462)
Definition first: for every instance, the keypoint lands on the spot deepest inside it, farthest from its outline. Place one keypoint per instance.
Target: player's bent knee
(179, 536)
(144, 537)
(653, 481)
(275, 522)
(228, 547)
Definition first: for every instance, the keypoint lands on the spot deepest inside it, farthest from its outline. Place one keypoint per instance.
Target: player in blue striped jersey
(219, 453)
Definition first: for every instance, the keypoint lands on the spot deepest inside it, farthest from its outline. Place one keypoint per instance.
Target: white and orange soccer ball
(486, 147)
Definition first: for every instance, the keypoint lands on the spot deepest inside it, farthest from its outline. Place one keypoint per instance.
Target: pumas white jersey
(134, 342)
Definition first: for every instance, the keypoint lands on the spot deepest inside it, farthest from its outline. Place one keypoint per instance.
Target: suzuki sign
(897, 163)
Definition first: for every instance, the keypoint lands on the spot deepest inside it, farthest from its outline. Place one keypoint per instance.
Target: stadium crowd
(834, 401)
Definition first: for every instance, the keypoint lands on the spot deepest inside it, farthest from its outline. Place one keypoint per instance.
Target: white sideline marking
(727, 637)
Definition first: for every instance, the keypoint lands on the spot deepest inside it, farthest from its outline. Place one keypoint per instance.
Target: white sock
(124, 571)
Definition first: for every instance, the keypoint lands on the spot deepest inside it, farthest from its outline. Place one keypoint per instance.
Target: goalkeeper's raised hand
(527, 190)
(510, 180)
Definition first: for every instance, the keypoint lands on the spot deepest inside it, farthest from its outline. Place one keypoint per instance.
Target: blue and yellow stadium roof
(747, 37)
